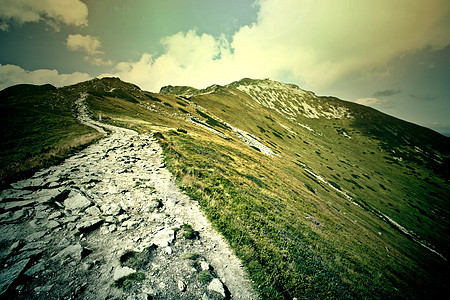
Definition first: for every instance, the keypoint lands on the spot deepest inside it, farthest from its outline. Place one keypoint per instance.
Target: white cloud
(53, 12)
(90, 45)
(314, 43)
(189, 59)
(86, 43)
(11, 75)
(372, 101)
(99, 61)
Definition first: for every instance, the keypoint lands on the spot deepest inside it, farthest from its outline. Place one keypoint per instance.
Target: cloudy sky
(391, 55)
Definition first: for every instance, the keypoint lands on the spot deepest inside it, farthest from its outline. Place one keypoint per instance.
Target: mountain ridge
(319, 197)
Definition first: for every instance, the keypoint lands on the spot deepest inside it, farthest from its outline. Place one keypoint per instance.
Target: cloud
(422, 97)
(314, 43)
(99, 61)
(372, 101)
(11, 75)
(90, 45)
(189, 59)
(386, 93)
(86, 43)
(52, 12)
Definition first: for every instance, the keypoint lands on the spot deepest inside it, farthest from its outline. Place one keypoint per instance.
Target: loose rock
(121, 272)
(216, 286)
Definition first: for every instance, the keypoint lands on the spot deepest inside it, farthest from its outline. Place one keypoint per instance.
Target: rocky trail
(110, 223)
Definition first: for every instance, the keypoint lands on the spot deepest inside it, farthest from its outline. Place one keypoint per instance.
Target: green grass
(126, 282)
(205, 276)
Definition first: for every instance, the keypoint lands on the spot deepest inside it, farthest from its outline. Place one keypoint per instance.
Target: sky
(390, 55)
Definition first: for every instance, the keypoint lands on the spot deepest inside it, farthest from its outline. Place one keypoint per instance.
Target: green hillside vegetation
(323, 216)
(38, 128)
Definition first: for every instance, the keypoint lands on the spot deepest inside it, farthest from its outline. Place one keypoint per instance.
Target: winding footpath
(112, 214)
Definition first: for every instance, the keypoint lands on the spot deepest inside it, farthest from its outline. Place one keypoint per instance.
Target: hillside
(319, 197)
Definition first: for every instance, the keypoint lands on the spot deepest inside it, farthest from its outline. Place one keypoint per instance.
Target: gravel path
(112, 215)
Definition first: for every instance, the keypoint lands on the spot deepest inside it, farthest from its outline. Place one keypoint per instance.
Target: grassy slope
(263, 205)
(38, 127)
(296, 236)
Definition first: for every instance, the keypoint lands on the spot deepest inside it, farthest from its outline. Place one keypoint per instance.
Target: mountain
(319, 197)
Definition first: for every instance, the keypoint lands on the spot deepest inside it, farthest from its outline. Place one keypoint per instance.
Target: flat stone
(13, 194)
(121, 272)
(53, 224)
(93, 211)
(28, 183)
(16, 204)
(164, 237)
(55, 215)
(47, 195)
(216, 286)
(89, 225)
(76, 201)
(73, 251)
(9, 275)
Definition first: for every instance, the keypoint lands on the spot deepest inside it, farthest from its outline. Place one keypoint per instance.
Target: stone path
(109, 222)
